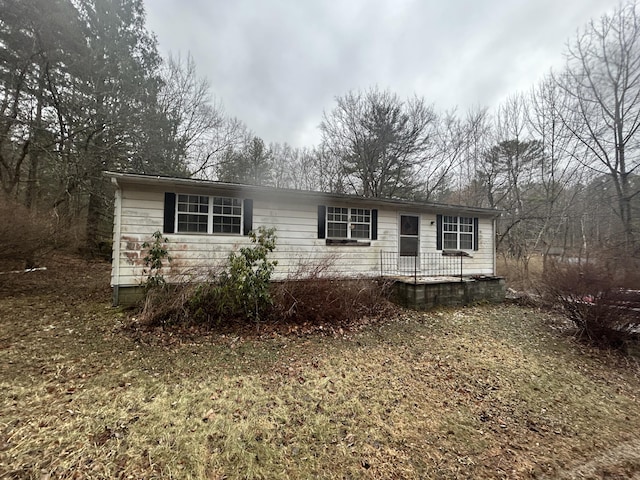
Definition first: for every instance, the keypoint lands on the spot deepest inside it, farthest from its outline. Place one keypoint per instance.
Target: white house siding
(140, 213)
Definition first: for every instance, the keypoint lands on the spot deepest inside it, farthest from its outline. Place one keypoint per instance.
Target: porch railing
(431, 264)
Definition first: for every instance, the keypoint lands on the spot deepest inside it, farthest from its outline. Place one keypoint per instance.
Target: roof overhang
(203, 186)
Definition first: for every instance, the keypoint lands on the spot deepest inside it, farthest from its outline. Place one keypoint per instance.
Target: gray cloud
(278, 64)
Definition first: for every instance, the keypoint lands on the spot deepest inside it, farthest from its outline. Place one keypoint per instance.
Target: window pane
(466, 241)
(408, 225)
(222, 224)
(336, 230)
(192, 223)
(193, 213)
(450, 241)
(360, 215)
(408, 246)
(337, 214)
(227, 214)
(449, 224)
(360, 230)
(466, 224)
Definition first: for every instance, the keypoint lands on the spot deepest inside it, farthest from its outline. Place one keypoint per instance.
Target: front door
(409, 242)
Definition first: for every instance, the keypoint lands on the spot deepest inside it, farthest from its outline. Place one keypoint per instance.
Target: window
(227, 215)
(457, 233)
(409, 235)
(354, 223)
(204, 214)
(193, 213)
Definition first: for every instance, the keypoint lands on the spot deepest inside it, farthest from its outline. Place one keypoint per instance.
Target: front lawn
(483, 392)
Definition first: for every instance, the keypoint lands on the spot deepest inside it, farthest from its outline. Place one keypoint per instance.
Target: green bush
(240, 291)
(157, 253)
(244, 286)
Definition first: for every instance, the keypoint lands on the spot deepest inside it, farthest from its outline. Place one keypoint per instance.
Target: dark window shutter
(438, 232)
(476, 230)
(247, 206)
(169, 225)
(322, 214)
(374, 224)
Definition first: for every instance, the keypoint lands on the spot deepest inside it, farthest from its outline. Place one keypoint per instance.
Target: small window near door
(409, 238)
(408, 225)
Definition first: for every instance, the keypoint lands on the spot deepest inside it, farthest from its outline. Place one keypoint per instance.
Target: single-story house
(341, 235)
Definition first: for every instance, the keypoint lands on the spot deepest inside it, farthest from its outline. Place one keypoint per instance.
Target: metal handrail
(429, 264)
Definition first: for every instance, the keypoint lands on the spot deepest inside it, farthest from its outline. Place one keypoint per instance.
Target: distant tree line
(83, 90)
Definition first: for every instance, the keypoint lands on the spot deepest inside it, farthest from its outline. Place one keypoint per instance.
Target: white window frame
(236, 203)
(460, 227)
(354, 217)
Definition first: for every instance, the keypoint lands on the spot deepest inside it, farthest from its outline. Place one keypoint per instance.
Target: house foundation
(429, 292)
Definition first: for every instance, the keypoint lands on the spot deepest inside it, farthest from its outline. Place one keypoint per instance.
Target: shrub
(240, 290)
(244, 286)
(157, 253)
(328, 300)
(603, 313)
(311, 295)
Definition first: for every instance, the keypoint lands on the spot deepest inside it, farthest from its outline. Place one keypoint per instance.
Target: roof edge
(177, 182)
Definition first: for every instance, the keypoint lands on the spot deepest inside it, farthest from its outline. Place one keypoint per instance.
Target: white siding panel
(297, 246)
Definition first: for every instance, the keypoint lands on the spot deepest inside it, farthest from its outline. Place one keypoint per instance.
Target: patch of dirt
(66, 275)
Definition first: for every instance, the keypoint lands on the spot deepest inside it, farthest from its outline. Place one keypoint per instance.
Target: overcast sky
(278, 64)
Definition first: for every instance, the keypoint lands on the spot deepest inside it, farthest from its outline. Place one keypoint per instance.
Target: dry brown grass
(521, 275)
(486, 392)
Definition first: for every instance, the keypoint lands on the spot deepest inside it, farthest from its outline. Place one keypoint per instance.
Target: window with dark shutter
(248, 216)
(204, 214)
(322, 218)
(456, 233)
(169, 212)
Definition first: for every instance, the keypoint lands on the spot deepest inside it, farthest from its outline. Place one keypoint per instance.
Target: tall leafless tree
(602, 79)
(201, 133)
(558, 176)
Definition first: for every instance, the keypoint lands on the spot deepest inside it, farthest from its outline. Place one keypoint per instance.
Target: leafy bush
(244, 286)
(602, 311)
(240, 290)
(157, 253)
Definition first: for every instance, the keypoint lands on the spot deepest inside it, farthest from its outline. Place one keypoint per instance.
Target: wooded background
(83, 89)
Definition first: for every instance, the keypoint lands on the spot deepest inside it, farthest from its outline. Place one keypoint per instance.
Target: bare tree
(507, 174)
(442, 160)
(558, 177)
(315, 170)
(201, 133)
(602, 80)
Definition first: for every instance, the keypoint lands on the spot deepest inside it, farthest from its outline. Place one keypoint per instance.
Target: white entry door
(409, 242)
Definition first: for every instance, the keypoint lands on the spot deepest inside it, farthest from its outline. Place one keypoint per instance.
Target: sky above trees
(278, 65)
